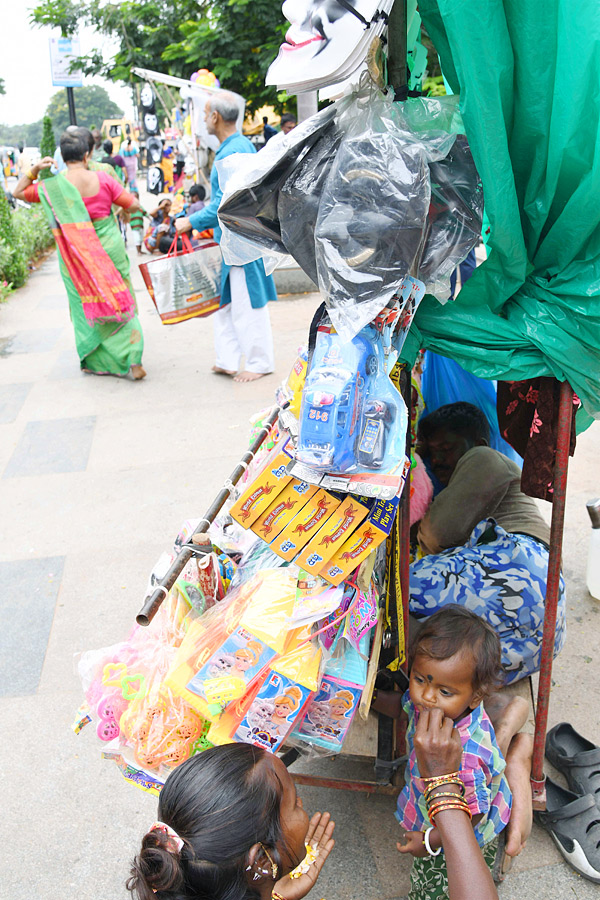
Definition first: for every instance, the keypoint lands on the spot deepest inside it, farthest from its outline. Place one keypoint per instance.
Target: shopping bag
(185, 284)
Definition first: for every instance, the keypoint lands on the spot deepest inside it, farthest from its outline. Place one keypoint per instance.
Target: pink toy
(421, 491)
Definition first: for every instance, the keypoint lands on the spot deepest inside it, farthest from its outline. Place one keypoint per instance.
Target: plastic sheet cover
(526, 73)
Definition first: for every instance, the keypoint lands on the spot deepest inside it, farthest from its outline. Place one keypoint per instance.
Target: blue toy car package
(352, 419)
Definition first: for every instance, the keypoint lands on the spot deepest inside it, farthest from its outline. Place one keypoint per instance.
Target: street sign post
(62, 53)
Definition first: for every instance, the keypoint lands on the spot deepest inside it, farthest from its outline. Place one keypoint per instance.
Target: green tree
(237, 39)
(92, 105)
(47, 144)
(13, 264)
(2, 88)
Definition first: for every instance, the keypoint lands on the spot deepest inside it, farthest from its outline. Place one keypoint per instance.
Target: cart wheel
(372, 365)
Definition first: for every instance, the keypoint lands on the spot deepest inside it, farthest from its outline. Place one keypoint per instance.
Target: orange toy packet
(362, 542)
(265, 487)
(282, 510)
(346, 518)
(305, 524)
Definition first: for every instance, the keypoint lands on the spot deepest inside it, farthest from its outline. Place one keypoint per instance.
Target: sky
(25, 67)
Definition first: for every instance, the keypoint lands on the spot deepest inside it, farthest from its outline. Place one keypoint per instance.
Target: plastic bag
(455, 216)
(145, 727)
(248, 211)
(299, 198)
(371, 223)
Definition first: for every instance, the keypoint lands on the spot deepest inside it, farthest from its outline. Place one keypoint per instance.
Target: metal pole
(405, 522)
(397, 50)
(71, 103)
(561, 467)
(153, 602)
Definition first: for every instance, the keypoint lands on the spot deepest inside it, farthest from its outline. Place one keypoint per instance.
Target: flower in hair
(171, 835)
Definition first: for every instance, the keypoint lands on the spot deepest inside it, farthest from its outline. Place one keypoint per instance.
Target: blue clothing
(261, 286)
(501, 577)
(481, 771)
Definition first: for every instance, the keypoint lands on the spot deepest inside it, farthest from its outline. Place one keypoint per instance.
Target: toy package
(277, 706)
(353, 421)
(305, 524)
(329, 715)
(362, 542)
(268, 483)
(282, 510)
(346, 518)
(233, 666)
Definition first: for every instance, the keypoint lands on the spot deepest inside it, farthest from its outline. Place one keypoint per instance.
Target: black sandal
(576, 758)
(574, 825)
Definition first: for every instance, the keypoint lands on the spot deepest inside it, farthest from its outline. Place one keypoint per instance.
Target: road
(97, 475)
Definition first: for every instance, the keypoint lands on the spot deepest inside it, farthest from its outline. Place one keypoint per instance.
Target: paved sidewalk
(97, 474)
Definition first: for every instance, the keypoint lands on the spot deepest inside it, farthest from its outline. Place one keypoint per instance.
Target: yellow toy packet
(282, 510)
(362, 542)
(265, 487)
(301, 660)
(305, 525)
(346, 518)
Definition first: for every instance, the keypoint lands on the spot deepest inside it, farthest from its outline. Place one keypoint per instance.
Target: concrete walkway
(97, 474)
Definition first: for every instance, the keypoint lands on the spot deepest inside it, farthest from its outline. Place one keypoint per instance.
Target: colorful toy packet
(329, 714)
(272, 714)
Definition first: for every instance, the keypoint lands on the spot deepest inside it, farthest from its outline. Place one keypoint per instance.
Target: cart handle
(154, 600)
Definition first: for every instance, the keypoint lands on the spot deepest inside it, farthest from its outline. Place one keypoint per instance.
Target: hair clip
(170, 833)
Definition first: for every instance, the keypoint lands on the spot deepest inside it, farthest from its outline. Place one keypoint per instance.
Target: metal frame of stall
(390, 737)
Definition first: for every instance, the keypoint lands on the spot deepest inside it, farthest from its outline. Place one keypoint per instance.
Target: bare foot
(138, 372)
(250, 376)
(518, 772)
(219, 371)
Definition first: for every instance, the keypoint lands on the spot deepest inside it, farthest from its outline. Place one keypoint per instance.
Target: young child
(455, 662)
(136, 223)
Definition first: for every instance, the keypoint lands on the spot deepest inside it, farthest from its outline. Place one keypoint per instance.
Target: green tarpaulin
(528, 75)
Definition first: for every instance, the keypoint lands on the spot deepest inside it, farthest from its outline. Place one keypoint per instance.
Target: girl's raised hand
(319, 836)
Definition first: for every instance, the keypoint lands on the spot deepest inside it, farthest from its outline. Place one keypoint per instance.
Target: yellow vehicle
(119, 130)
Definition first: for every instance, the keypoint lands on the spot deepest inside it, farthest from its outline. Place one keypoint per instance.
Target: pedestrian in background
(93, 261)
(242, 325)
(288, 122)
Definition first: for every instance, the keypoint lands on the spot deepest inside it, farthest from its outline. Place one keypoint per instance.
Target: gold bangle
(438, 777)
(31, 176)
(442, 807)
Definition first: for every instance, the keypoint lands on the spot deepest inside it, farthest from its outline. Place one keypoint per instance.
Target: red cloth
(528, 419)
(98, 205)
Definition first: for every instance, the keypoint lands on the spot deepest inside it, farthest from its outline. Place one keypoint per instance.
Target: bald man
(242, 325)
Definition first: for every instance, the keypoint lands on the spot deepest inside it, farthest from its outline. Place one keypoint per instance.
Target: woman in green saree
(93, 261)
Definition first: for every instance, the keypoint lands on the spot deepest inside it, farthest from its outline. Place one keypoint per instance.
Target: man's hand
(182, 223)
(414, 844)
